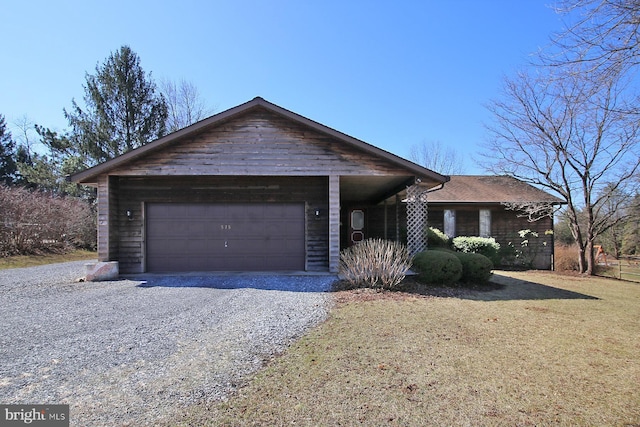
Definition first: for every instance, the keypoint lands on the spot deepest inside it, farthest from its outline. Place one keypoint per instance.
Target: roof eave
(475, 202)
(86, 176)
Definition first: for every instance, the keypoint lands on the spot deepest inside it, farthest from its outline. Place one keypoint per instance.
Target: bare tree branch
(601, 35)
(533, 211)
(433, 155)
(184, 103)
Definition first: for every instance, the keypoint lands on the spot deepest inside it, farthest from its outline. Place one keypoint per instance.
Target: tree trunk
(591, 261)
(582, 259)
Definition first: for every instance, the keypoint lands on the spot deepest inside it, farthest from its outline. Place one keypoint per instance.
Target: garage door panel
(231, 237)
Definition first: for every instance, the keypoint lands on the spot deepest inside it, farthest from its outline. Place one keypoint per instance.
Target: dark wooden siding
(375, 222)
(260, 143)
(134, 192)
(436, 218)
(505, 225)
(467, 222)
(107, 219)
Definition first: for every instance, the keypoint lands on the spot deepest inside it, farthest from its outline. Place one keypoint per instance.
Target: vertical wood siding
(334, 223)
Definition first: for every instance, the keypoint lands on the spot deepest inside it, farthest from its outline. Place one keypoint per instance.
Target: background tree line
(122, 109)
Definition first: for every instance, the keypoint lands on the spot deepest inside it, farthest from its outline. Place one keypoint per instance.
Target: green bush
(437, 239)
(476, 268)
(486, 246)
(438, 267)
(375, 263)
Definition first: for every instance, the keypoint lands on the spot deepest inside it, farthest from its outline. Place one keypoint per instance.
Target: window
(450, 222)
(485, 223)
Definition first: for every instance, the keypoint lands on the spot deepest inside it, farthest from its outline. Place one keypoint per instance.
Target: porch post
(385, 219)
(397, 218)
(334, 223)
(107, 218)
(416, 219)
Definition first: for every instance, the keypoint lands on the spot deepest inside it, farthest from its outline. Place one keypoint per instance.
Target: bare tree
(433, 155)
(555, 129)
(603, 35)
(26, 135)
(186, 106)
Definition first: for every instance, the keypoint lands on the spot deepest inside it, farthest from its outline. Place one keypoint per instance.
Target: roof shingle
(489, 189)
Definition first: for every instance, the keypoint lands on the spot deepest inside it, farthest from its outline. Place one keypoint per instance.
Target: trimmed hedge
(476, 268)
(486, 246)
(437, 239)
(438, 267)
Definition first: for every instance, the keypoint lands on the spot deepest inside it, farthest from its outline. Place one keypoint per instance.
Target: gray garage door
(225, 237)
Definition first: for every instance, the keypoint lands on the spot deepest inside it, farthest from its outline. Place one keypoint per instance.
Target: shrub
(486, 246)
(476, 268)
(566, 258)
(438, 267)
(437, 239)
(33, 222)
(375, 263)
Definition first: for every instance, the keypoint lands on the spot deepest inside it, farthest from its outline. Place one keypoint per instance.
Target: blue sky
(391, 73)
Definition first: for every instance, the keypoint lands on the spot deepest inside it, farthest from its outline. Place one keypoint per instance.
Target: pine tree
(7, 154)
(122, 110)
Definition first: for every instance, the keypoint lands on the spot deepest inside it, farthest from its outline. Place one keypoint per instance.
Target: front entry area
(187, 237)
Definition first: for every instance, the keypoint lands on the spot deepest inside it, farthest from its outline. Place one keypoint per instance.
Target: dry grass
(21, 261)
(542, 350)
(566, 258)
(620, 269)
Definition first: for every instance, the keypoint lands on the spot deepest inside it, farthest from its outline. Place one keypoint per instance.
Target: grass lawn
(33, 260)
(543, 350)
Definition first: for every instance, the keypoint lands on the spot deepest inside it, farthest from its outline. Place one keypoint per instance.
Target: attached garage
(253, 188)
(225, 237)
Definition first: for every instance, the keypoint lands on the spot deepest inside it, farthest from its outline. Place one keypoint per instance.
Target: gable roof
(489, 189)
(90, 175)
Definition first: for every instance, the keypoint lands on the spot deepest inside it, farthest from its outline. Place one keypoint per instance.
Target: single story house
(484, 206)
(256, 187)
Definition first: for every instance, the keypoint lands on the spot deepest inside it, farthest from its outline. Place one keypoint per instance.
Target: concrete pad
(96, 272)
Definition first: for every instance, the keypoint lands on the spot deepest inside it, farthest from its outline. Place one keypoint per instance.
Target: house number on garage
(225, 227)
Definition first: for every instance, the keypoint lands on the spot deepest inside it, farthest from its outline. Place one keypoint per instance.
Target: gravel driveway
(132, 352)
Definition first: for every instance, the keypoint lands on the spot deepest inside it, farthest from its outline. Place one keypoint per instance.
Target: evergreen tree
(7, 154)
(122, 110)
(48, 172)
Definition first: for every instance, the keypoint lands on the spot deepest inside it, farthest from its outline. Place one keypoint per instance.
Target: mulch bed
(409, 288)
